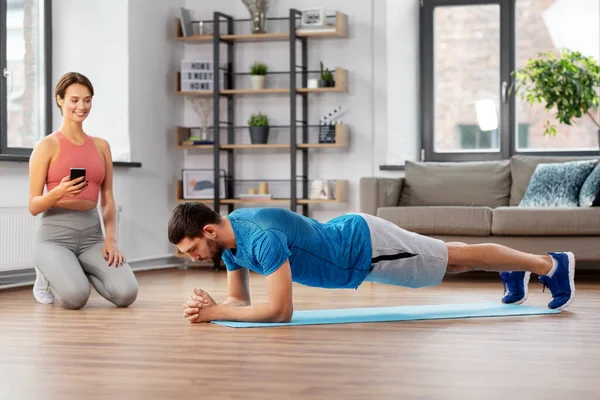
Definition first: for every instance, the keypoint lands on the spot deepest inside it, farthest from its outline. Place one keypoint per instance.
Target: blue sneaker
(516, 282)
(562, 281)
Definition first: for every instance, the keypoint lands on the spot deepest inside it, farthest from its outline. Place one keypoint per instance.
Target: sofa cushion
(518, 221)
(522, 167)
(437, 220)
(485, 183)
(557, 184)
(589, 196)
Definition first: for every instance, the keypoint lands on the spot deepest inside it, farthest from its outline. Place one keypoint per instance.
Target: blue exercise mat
(403, 313)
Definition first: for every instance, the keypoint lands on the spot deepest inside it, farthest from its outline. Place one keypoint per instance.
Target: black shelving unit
(224, 35)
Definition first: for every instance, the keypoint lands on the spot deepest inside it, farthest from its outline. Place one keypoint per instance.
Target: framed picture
(200, 184)
(312, 17)
(186, 21)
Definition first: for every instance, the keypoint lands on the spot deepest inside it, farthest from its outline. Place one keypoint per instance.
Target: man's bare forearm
(235, 302)
(256, 313)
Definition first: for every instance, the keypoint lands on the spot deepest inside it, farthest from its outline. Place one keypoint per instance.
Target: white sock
(554, 266)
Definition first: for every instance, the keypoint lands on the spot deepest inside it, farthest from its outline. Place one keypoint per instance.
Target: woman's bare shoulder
(99, 142)
(47, 144)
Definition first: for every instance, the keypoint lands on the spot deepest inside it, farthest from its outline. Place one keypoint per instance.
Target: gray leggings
(68, 252)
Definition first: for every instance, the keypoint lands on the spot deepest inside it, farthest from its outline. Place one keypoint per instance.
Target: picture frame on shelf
(312, 17)
(186, 21)
(200, 184)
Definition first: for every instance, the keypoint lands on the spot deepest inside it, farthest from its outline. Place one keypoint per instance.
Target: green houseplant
(258, 72)
(259, 128)
(326, 79)
(566, 83)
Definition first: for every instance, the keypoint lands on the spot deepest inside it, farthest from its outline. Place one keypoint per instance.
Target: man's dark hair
(189, 219)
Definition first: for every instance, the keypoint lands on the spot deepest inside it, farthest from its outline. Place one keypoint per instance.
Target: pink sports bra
(74, 156)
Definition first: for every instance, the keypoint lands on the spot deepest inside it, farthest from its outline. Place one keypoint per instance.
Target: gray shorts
(404, 258)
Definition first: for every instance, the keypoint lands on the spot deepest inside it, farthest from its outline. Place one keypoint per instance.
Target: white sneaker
(41, 289)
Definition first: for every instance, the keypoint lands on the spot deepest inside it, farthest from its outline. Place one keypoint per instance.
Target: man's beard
(216, 251)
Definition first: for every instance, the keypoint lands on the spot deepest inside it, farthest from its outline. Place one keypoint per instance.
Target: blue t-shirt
(336, 254)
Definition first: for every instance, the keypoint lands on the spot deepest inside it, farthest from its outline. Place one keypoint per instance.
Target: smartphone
(77, 172)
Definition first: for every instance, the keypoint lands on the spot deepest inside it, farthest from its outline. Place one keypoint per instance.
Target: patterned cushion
(557, 184)
(590, 193)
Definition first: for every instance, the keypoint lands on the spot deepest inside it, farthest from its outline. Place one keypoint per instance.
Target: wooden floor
(149, 351)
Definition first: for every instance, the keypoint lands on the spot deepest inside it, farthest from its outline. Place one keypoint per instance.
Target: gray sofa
(477, 202)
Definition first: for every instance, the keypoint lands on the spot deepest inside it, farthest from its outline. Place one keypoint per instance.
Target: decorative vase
(258, 22)
(259, 134)
(257, 81)
(204, 134)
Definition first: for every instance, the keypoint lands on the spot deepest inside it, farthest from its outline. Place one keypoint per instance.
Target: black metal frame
(293, 111)
(218, 19)
(16, 151)
(507, 128)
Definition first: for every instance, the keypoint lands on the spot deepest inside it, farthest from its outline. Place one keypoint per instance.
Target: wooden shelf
(339, 30)
(341, 140)
(255, 146)
(341, 86)
(197, 38)
(258, 37)
(255, 91)
(341, 196)
(341, 83)
(196, 146)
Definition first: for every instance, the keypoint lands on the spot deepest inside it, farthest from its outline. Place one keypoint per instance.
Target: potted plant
(567, 84)
(258, 72)
(259, 128)
(326, 79)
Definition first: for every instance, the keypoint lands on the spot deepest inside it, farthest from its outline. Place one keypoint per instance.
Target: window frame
(507, 130)
(5, 150)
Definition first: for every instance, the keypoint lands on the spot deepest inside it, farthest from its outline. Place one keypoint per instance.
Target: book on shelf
(197, 142)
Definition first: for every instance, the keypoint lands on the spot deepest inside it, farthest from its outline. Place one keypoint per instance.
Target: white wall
(147, 194)
(402, 51)
(91, 37)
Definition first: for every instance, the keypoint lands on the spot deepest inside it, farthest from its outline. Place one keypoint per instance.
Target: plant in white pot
(258, 75)
(259, 128)
(567, 84)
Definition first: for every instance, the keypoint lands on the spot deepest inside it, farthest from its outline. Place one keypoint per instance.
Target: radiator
(17, 234)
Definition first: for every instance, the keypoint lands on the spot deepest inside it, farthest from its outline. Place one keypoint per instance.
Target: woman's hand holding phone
(71, 188)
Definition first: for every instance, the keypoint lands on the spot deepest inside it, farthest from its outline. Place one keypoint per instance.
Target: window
(25, 96)
(471, 137)
(468, 50)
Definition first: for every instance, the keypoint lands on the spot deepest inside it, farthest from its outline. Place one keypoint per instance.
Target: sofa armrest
(379, 192)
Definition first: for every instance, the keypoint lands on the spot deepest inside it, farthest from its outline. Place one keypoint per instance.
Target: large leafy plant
(567, 83)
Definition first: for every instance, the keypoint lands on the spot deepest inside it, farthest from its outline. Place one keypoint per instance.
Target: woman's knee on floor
(73, 298)
(125, 295)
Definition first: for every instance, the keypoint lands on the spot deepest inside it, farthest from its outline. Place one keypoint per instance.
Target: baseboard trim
(26, 276)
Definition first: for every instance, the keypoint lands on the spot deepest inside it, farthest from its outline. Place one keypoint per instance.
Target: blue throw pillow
(589, 195)
(557, 184)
